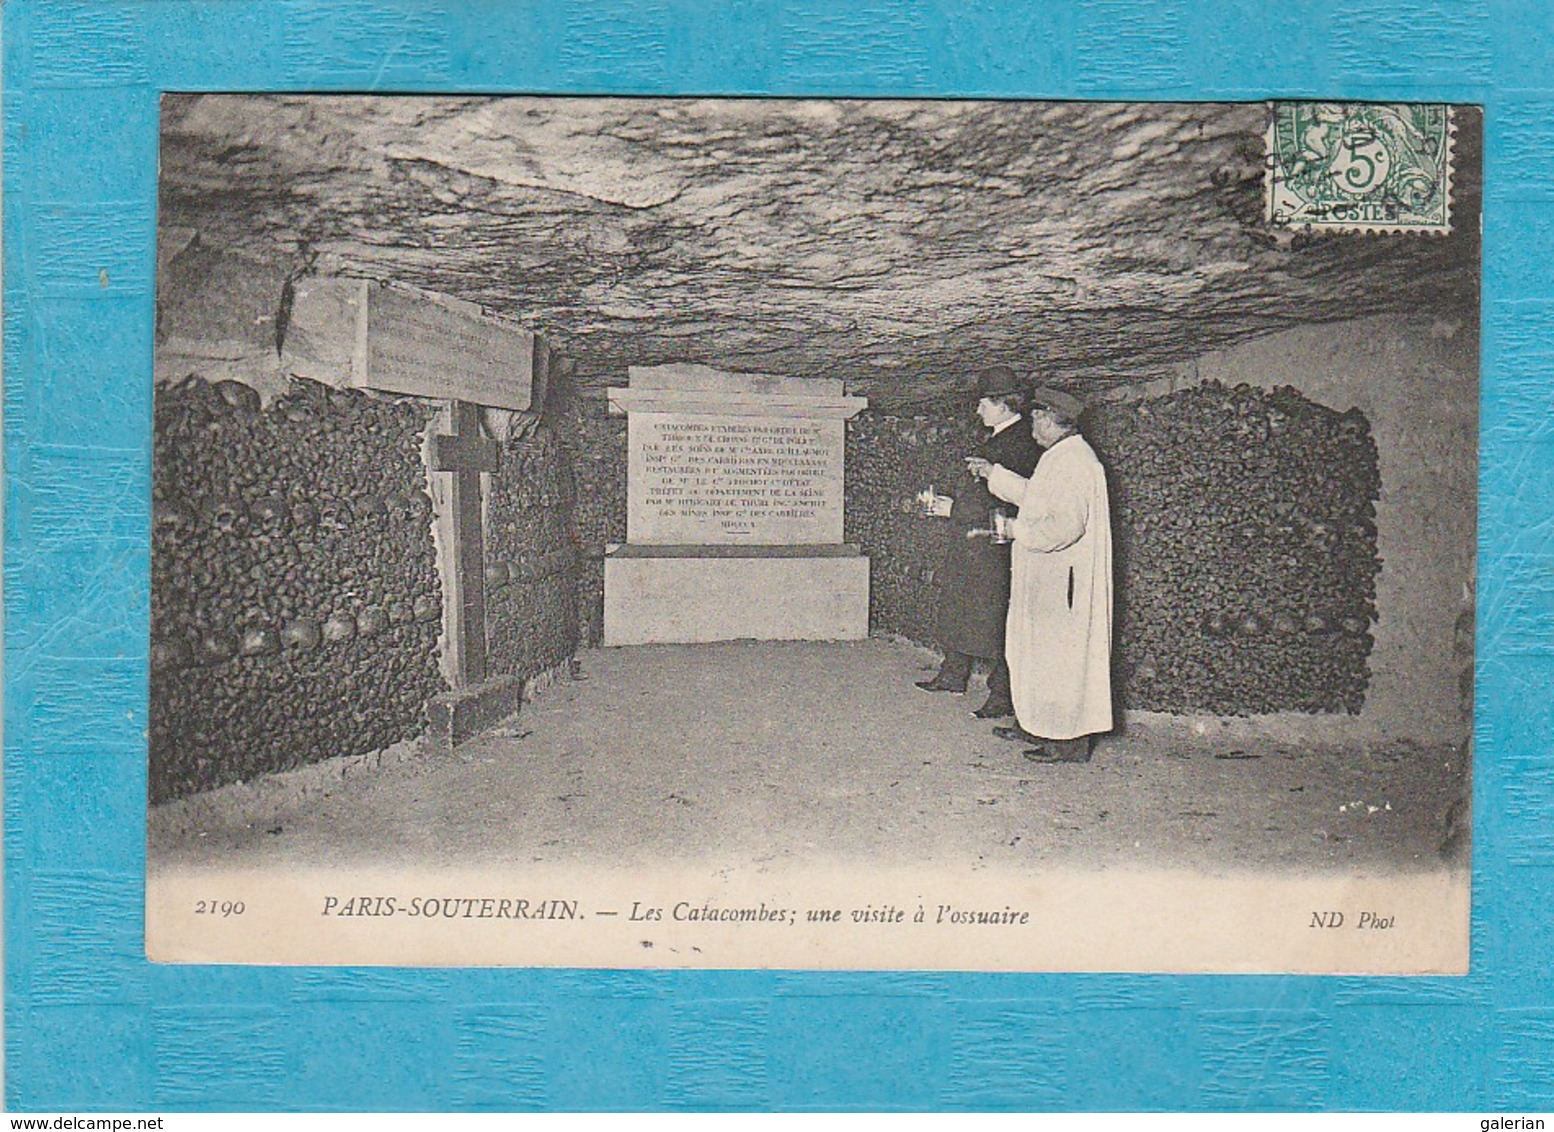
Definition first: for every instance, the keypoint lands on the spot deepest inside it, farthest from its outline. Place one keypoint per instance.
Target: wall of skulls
(599, 460)
(1246, 555)
(1415, 380)
(532, 559)
(296, 607)
(295, 602)
(1245, 543)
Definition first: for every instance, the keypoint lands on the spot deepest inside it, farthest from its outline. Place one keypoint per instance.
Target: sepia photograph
(814, 533)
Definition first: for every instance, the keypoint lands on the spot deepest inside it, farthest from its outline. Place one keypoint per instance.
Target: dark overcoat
(974, 576)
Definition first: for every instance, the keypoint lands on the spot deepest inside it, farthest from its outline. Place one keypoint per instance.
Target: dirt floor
(785, 752)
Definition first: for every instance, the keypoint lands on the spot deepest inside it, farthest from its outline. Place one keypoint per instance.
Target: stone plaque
(734, 511)
(695, 479)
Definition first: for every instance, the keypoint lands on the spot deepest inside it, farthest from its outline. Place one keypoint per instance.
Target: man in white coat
(1058, 636)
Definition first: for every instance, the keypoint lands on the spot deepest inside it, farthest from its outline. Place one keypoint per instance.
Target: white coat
(1058, 638)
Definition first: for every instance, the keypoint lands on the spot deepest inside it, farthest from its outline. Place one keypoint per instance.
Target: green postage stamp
(1360, 166)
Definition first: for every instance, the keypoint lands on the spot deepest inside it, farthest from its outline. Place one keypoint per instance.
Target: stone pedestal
(734, 511)
(756, 593)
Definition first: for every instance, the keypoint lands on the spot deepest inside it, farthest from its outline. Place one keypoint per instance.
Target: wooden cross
(466, 453)
(360, 334)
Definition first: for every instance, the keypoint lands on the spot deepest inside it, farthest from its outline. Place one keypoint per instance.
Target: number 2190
(218, 907)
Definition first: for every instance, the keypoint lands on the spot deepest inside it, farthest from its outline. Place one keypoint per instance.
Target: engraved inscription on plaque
(730, 480)
(429, 348)
(352, 332)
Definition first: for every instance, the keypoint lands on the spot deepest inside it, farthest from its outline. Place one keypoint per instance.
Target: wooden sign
(353, 332)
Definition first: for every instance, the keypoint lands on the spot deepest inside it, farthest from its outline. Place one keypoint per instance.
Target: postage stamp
(1359, 167)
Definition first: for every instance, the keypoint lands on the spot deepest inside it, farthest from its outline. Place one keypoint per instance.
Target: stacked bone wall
(890, 458)
(1246, 556)
(1244, 539)
(599, 460)
(532, 559)
(295, 602)
(1415, 380)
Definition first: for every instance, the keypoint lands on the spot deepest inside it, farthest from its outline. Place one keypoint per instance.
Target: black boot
(1061, 750)
(1000, 701)
(995, 708)
(953, 673)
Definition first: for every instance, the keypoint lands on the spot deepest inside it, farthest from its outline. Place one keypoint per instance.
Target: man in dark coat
(974, 576)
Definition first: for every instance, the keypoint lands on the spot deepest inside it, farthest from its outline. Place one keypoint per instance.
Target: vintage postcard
(786, 533)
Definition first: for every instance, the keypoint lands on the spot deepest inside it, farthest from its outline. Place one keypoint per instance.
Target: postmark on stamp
(1359, 166)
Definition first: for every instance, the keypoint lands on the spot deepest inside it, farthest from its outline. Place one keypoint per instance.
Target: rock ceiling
(892, 244)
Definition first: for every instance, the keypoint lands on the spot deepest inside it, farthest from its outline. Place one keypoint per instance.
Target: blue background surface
(91, 1025)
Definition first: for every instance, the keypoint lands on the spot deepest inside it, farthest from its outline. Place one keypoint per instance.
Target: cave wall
(561, 499)
(1416, 381)
(879, 241)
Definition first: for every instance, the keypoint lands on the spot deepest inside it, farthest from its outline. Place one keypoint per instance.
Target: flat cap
(1045, 397)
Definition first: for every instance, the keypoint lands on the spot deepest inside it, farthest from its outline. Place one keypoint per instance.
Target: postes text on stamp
(1359, 166)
